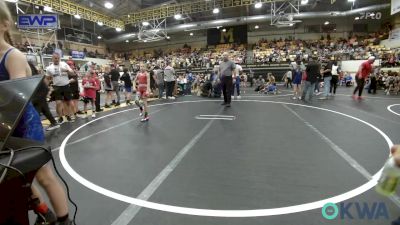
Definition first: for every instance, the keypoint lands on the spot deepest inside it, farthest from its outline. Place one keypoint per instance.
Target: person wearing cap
(362, 74)
(226, 72)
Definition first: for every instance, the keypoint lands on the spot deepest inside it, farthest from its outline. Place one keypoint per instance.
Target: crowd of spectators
(353, 48)
(186, 57)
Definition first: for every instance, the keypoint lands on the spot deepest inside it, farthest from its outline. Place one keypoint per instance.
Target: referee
(226, 72)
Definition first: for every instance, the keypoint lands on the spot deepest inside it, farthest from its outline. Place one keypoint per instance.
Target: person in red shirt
(142, 80)
(361, 75)
(90, 85)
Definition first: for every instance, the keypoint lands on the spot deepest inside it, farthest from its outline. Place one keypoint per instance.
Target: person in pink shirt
(90, 85)
(362, 74)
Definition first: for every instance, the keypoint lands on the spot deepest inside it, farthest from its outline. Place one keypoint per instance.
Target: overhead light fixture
(12, 1)
(215, 10)
(118, 29)
(292, 24)
(77, 16)
(98, 37)
(100, 23)
(145, 23)
(258, 5)
(326, 23)
(156, 30)
(224, 30)
(357, 18)
(178, 16)
(304, 2)
(108, 5)
(145, 40)
(168, 37)
(191, 34)
(218, 27)
(47, 9)
(127, 41)
(256, 27)
(129, 16)
(351, 0)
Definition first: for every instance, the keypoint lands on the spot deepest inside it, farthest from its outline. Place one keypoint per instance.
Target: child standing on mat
(90, 85)
(142, 91)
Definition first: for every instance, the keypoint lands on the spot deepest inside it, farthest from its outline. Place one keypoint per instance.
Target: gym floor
(267, 153)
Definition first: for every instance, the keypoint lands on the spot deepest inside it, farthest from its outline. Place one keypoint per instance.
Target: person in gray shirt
(159, 78)
(169, 76)
(226, 72)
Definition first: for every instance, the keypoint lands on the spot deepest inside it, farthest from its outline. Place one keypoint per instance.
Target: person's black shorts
(87, 99)
(75, 95)
(62, 93)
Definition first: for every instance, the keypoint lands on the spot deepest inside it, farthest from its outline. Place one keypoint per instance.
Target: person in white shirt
(236, 82)
(58, 72)
(169, 77)
(288, 79)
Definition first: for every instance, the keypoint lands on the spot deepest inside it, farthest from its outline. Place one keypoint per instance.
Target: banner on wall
(227, 35)
(395, 6)
(37, 21)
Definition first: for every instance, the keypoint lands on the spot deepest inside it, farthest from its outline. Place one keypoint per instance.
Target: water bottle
(389, 179)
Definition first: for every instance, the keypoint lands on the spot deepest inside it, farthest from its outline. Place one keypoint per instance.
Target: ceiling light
(145, 23)
(351, 0)
(178, 16)
(47, 9)
(77, 16)
(12, 1)
(357, 18)
(216, 11)
(303, 2)
(108, 5)
(127, 41)
(118, 29)
(256, 27)
(292, 24)
(145, 40)
(156, 30)
(258, 5)
(129, 16)
(98, 37)
(326, 23)
(218, 27)
(224, 30)
(191, 34)
(168, 37)
(100, 23)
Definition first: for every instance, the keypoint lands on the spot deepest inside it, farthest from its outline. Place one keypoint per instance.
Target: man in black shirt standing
(312, 71)
(115, 84)
(126, 78)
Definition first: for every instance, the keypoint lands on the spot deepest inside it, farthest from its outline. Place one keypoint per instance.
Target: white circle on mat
(391, 110)
(222, 213)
